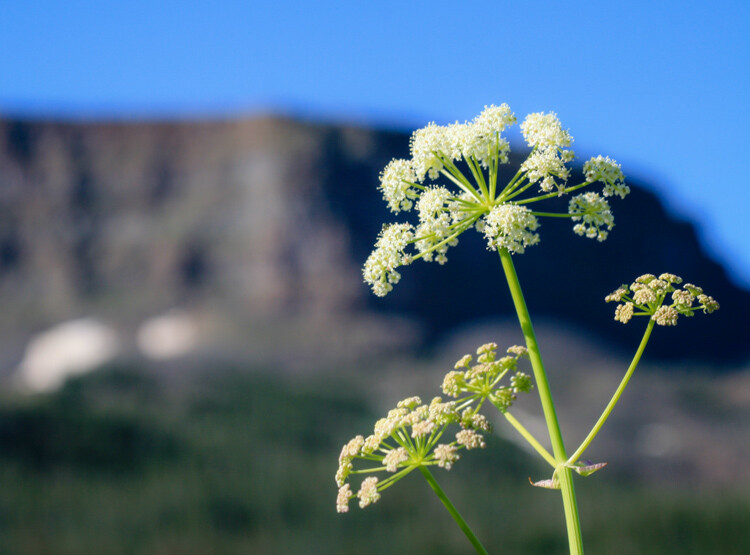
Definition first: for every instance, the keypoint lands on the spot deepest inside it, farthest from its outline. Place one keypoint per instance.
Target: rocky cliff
(272, 219)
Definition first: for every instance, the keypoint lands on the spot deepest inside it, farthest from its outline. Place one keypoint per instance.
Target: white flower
(352, 448)
(644, 295)
(494, 119)
(446, 455)
(545, 165)
(467, 155)
(409, 402)
(594, 213)
(478, 422)
(422, 428)
(682, 298)
(624, 312)
(425, 143)
(665, 316)
(396, 184)
(608, 171)
(470, 439)
(432, 202)
(484, 136)
(617, 295)
(380, 268)
(509, 226)
(442, 413)
(518, 350)
(368, 492)
(545, 131)
(342, 499)
(394, 458)
(343, 471)
(434, 223)
(452, 383)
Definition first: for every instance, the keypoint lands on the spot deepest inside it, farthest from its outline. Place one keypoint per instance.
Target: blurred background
(188, 192)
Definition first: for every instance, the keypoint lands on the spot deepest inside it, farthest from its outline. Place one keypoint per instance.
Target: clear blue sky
(662, 86)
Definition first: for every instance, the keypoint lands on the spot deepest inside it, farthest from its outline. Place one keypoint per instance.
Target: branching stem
(616, 397)
(531, 439)
(564, 475)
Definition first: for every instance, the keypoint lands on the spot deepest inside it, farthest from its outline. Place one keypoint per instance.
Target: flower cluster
(466, 157)
(407, 438)
(512, 227)
(547, 161)
(380, 268)
(481, 381)
(607, 171)
(594, 214)
(646, 296)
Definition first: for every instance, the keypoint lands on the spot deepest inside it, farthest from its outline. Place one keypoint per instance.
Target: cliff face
(150, 214)
(273, 218)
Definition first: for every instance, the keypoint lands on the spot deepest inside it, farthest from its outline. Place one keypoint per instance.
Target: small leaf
(552, 483)
(587, 468)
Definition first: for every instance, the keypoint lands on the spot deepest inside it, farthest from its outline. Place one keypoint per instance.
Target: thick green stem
(564, 476)
(616, 397)
(452, 510)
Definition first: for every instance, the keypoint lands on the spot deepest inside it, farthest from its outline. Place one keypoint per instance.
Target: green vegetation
(234, 462)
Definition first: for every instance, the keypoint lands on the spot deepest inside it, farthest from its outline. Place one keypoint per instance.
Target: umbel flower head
(414, 434)
(407, 438)
(646, 296)
(481, 381)
(451, 180)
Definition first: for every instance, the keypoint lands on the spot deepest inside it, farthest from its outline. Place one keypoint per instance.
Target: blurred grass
(239, 462)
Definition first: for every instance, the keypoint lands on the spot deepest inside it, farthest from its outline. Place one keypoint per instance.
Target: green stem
(463, 185)
(516, 191)
(452, 510)
(555, 194)
(476, 171)
(572, 520)
(510, 185)
(493, 168)
(462, 226)
(615, 398)
(531, 439)
(552, 215)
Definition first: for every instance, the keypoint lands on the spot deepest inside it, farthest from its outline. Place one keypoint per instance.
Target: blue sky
(663, 87)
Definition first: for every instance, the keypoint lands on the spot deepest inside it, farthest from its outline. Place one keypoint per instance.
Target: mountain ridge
(274, 217)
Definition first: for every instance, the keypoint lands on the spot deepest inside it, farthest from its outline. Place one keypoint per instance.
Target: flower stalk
(453, 511)
(615, 398)
(563, 474)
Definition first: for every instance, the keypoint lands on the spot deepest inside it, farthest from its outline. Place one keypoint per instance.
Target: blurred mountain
(267, 221)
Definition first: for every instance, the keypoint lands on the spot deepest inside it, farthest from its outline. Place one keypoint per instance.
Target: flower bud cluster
(481, 381)
(467, 156)
(594, 214)
(647, 294)
(405, 439)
